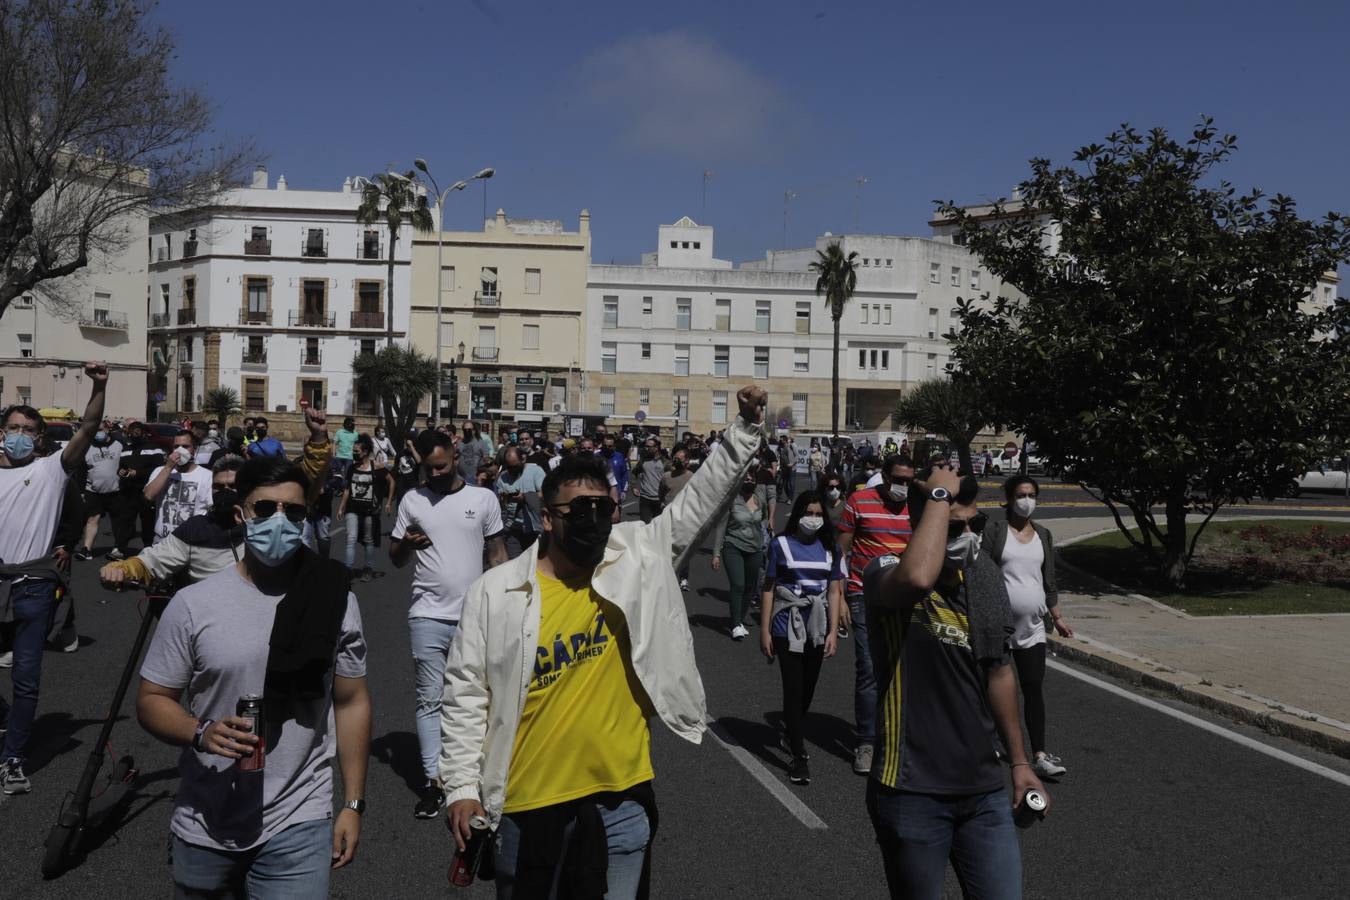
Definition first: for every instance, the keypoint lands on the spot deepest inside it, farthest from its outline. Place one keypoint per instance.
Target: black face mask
(442, 484)
(223, 503)
(748, 488)
(582, 538)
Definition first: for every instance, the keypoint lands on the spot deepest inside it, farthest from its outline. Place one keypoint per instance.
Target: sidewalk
(1289, 675)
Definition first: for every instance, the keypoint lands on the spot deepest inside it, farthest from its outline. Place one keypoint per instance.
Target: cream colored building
(513, 317)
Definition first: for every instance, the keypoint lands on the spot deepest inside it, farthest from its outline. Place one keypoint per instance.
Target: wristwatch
(200, 733)
(941, 493)
(357, 806)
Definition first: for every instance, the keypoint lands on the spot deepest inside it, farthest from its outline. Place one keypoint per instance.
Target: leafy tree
(392, 198)
(222, 403)
(1164, 346)
(400, 377)
(91, 131)
(948, 407)
(836, 280)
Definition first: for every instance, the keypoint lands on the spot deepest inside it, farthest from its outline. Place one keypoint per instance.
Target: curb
(1270, 718)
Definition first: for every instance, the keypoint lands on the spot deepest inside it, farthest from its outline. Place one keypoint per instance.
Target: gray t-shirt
(471, 456)
(213, 640)
(649, 475)
(103, 463)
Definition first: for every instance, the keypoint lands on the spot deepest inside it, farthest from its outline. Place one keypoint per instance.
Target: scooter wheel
(61, 846)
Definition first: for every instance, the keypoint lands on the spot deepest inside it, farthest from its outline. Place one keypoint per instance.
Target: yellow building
(513, 317)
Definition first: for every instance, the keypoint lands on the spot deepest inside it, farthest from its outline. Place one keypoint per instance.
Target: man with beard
(562, 768)
(180, 489)
(446, 524)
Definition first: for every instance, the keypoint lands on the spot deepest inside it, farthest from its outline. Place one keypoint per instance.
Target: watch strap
(357, 806)
(200, 733)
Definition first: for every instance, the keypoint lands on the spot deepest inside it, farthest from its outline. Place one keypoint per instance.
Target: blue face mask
(100, 437)
(19, 445)
(274, 540)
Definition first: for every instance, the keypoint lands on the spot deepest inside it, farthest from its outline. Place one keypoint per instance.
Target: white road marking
(1241, 739)
(766, 778)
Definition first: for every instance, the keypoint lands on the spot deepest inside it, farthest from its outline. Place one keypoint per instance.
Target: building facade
(272, 292)
(680, 333)
(513, 317)
(98, 313)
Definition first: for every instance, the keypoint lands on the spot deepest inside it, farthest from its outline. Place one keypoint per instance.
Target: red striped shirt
(876, 529)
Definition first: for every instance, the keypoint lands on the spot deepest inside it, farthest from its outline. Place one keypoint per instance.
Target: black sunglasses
(266, 509)
(586, 506)
(976, 522)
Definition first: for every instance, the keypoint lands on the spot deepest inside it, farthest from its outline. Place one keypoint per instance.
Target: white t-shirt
(384, 451)
(459, 525)
(188, 494)
(1026, 589)
(31, 497)
(103, 463)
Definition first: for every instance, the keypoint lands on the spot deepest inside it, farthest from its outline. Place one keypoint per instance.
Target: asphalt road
(1151, 807)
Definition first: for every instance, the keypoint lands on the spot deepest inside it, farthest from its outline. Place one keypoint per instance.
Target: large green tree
(400, 377)
(836, 280)
(1164, 345)
(949, 407)
(393, 198)
(222, 403)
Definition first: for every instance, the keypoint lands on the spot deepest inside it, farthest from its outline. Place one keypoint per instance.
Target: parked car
(1329, 476)
(59, 434)
(160, 434)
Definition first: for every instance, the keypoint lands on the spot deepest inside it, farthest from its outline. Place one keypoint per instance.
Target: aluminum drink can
(250, 706)
(1031, 810)
(465, 867)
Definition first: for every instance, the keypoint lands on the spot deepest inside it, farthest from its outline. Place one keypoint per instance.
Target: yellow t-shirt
(584, 729)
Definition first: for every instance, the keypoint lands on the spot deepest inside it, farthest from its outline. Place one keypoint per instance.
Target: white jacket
(492, 657)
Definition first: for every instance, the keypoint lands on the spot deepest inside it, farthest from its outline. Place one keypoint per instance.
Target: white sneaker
(740, 633)
(7, 659)
(684, 584)
(1047, 766)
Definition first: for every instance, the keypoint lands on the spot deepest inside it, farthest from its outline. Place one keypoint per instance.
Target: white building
(272, 292)
(680, 333)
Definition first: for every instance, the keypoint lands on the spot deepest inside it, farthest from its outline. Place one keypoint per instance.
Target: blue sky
(620, 107)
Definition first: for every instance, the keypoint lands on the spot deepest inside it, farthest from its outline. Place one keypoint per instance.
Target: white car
(1330, 476)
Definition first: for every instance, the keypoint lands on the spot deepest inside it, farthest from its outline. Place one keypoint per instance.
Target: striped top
(805, 568)
(877, 530)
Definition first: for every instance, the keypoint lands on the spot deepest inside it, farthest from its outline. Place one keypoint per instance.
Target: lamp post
(454, 384)
(480, 175)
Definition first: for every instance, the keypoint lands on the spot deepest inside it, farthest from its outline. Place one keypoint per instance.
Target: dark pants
(648, 509)
(800, 672)
(131, 506)
(1031, 676)
(34, 605)
(743, 579)
(787, 483)
(920, 833)
(864, 679)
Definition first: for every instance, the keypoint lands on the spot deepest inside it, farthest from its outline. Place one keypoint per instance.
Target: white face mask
(963, 550)
(899, 492)
(1024, 506)
(832, 493)
(809, 525)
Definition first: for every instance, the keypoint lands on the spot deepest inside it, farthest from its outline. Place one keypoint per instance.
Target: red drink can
(250, 706)
(465, 867)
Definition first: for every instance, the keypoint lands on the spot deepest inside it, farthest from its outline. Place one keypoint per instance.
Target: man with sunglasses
(446, 524)
(941, 626)
(564, 654)
(875, 523)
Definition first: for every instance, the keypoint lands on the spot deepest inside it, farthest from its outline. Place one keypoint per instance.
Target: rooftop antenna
(707, 177)
(857, 203)
(788, 197)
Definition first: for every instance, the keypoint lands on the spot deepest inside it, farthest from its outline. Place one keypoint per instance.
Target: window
(256, 351)
(255, 394)
(862, 359)
(607, 401)
(974, 279)
(313, 391)
(932, 365)
(761, 362)
(26, 346)
(314, 295)
(370, 245)
(683, 311)
(721, 361)
(529, 337)
(611, 319)
(447, 336)
(932, 323)
(368, 297)
(257, 298)
(684, 245)
(762, 316)
(799, 409)
(697, 244)
(681, 409)
(874, 358)
(888, 263)
(933, 269)
(876, 313)
(674, 245)
(644, 397)
(311, 357)
(24, 302)
(314, 242)
(488, 281)
(258, 233)
(448, 279)
(863, 307)
(804, 317)
(723, 322)
(956, 276)
(609, 357)
(533, 279)
(102, 307)
(646, 306)
(681, 359)
(368, 347)
(801, 359)
(487, 337)
(646, 350)
(189, 292)
(185, 350)
(885, 360)
(164, 297)
(719, 407)
(886, 314)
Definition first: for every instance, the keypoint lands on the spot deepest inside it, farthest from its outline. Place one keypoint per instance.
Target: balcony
(367, 320)
(255, 317)
(311, 361)
(312, 320)
(189, 249)
(159, 320)
(258, 247)
(254, 358)
(187, 317)
(491, 301)
(486, 354)
(369, 250)
(315, 251)
(103, 318)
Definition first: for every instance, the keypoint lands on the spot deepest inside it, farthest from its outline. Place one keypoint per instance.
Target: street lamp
(480, 175)
(454, 384)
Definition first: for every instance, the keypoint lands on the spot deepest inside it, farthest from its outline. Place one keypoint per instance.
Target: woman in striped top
(799, 615)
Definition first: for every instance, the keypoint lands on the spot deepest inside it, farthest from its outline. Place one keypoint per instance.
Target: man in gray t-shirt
(102, 461)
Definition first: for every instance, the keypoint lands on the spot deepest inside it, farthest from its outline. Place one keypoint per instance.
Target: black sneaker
(431, 802)
(787, 748)
(798, 773)
(82, 553)
(115, 555)
(12, 778)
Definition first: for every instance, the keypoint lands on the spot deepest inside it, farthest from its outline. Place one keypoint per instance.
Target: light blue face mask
(274, 540)
(19, 445)
(100, 437)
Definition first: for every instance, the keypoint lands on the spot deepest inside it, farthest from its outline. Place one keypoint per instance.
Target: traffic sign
(641, 415)
(783, 424)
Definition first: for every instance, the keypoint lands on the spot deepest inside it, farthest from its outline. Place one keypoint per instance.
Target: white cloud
(680, 93)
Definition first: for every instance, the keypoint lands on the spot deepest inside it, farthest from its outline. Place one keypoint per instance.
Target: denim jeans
(864, 678)
(628, 833)
(292, 865)
(34, 605)
(360, 527)
(430, 639)
(919, 833)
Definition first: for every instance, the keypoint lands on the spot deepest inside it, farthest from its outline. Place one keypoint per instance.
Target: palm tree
(400, 377)
(947, 407)
(836, 280)
(390, 197)
(222, 403)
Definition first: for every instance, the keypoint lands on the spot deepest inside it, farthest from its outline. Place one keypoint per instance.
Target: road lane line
(766, 778)
(1242, 739)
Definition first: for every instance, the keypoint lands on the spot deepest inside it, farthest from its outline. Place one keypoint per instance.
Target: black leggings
(1031, 675)
(800, 672)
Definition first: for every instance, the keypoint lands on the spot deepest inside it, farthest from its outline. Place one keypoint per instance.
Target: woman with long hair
(799, 615)
(360, 503)
(738, 544)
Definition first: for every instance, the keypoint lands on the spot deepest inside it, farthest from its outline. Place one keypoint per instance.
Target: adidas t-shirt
(459, 525)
